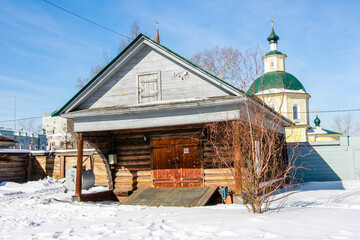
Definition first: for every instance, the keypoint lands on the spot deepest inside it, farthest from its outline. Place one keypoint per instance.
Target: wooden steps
(172, 197)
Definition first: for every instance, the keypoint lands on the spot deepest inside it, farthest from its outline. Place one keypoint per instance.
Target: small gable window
(148, 87)
(295, 112)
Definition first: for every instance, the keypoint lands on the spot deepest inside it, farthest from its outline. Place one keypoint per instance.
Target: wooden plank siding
(14, 167)
(121, 88)
(219, 177)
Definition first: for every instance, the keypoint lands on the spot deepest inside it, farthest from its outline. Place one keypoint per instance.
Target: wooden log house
(149, 106)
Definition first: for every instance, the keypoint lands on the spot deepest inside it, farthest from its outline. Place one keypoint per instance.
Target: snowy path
(41, 210)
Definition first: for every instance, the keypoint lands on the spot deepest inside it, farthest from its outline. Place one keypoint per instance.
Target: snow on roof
(14, 151)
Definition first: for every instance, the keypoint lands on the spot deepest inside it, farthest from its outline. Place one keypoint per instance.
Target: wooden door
(165, 168)
(177, 163)
(188, 152)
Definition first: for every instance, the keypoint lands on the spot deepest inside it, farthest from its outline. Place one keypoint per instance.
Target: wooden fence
(14, 166)
(25, 166)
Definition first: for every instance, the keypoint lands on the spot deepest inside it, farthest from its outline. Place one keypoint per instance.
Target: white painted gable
(149, 73)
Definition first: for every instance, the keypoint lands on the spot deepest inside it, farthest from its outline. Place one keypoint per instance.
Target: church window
(272, 64)
(295, 112)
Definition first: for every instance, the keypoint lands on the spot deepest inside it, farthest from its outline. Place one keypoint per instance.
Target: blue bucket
(224, 193)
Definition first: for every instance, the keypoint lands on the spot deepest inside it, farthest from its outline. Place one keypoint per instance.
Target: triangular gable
(134, 48)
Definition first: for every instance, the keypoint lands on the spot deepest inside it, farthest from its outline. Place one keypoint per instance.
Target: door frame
(159, 88)
(169, 137)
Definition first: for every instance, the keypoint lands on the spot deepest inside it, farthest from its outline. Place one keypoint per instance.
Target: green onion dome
(274, 52)
(277, 80)
(317, 121)
(273, 38)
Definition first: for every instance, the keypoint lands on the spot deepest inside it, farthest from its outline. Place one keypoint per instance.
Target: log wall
(133, 169)
(214, 172)
(219, 177)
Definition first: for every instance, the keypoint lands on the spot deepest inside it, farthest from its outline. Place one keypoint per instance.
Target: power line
(342, 110)
(20, 119)
(85, 19)
(332, 111)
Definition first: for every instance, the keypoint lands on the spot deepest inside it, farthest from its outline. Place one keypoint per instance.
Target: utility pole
(15, 114)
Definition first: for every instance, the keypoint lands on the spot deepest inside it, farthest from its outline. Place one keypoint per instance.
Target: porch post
(237, 157)
(237, 169)
(79, 166)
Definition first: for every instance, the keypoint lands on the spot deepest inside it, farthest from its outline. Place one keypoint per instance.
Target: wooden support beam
(237, 160)
(79, 166)
(62, 166)
(29, 169)
(91, 162)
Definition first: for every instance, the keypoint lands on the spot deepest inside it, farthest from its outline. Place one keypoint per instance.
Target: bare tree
(346, 125)
(81, 82)
(231, 65)
(252, 147)
(254, 150)
(30, 125)
(69, 140)
(134, 32)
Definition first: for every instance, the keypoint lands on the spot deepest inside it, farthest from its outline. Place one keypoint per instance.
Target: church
(284, 93)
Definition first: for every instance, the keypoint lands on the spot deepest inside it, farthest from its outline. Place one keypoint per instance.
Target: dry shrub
(254, 149)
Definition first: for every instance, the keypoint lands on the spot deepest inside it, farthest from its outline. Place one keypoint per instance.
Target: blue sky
(44, 50)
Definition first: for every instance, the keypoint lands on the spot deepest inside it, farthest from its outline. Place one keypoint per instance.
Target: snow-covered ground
(41, 210)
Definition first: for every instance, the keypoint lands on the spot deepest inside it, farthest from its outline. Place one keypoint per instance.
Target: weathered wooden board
(14, 167)
(172, 197)
(177, 163)
(97, 197)
(219, 177)
(199, 111)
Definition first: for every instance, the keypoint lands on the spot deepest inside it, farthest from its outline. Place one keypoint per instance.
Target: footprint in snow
(56, 235)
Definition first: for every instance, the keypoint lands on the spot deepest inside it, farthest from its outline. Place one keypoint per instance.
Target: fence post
(29, 163)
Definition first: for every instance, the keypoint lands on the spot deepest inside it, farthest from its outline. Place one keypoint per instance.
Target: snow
(14, 151)
(42, 210)
(60, 151)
